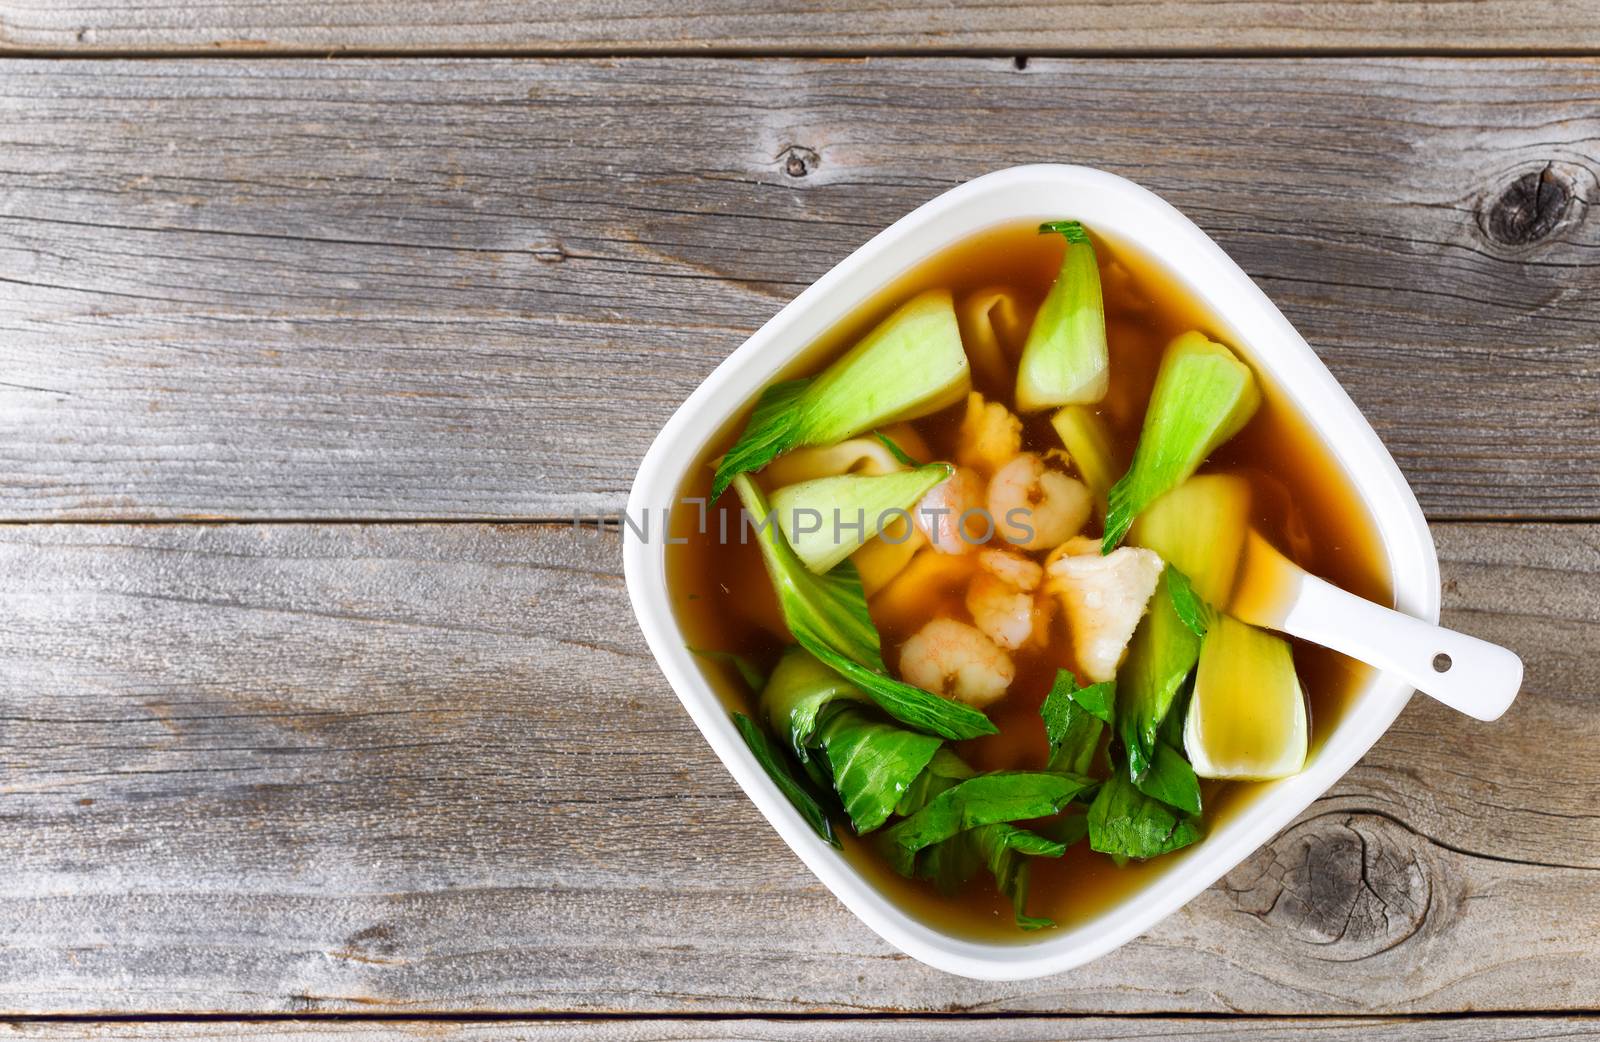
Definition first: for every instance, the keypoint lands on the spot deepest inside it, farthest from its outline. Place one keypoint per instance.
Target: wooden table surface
(319, 322)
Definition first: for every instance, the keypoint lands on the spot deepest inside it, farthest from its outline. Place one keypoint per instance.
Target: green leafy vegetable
(828, 616)
(1067, 827)
(1073, 720)
(1171, 780)
(1124, 822)
(828, 519)
(1002, 847)
(1199, 529)
(988, 799)
(873, 764)
(1203, 395)
(910, 365)
(1162, 653)
(943, 771)
(795, 696)
(1191, 610)
(1172, 727)
(1064, 360)
(748, 671)
(900, 455)
(772, 760)
(773, 430)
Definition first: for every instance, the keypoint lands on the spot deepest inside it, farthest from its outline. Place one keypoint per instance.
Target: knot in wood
(798, 161)
(551, 252)
(1529, 209)
(1353, 885)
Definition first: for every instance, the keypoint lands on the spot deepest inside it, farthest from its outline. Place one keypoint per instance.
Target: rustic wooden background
(319, 720)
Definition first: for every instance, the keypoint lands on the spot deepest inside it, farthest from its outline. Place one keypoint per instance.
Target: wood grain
(921, 1029)
(475, 289)
(812, 26)
(416, 768)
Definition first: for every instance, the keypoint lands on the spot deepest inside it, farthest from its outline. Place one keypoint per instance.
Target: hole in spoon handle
(1441, 663)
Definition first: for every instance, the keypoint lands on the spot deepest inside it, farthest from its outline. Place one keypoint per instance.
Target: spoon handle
(1465, 673)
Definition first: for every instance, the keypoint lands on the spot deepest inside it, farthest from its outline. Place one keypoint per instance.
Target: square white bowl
(1129, 214)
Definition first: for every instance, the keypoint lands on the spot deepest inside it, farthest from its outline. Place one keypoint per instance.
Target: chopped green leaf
(1171, 780)
(1073, 720)
(1162, 653)
(1003, 848)
(772, 431)
(950, 864)
(772, 760)
(1192, 611)
(873, 764)
(901, 456)
(985, 800)
(828, 519)
(1171, 730)
(910, 365)
(1067, 827)
(1202, 397)
(794, 698)
(1124, 822)
(828, 616)
(1064, 360)
(748, 671)
(943, 771)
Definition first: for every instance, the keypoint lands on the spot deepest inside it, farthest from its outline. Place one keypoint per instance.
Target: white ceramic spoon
(1463, 672)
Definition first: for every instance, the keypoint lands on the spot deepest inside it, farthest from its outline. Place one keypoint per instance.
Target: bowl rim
(1129, 213)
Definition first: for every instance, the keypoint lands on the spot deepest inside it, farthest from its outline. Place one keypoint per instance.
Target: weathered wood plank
(420, 288)
(432, 768)
(920, 1029)
(815, 26)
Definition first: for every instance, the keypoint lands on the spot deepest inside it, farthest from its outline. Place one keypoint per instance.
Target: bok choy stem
(1203, 395)
(828, 519)
(910, 365)
(1064, 360)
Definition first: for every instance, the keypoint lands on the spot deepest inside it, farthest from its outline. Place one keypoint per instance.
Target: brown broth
(1306, 505)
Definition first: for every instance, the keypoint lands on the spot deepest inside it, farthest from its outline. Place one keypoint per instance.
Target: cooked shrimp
(1104, 598)
(940, 514)
(1034, 507)
(1015, 570)
(1001, 598)
(952, 659)
(990, 436)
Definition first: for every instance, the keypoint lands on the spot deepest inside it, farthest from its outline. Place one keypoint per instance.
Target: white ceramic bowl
(1129, 214)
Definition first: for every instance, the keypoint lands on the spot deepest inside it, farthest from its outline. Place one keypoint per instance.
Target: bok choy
(827, 614)
(1247, 716)
(1088, 444)
(771, 759)
(1199, 529)
(828, 519)
(1125, 823)
(988, 799)
(1064, 360)
(910, 365)
(1203, 396)
(1074, 718)
(799, 689)
(873, 764)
